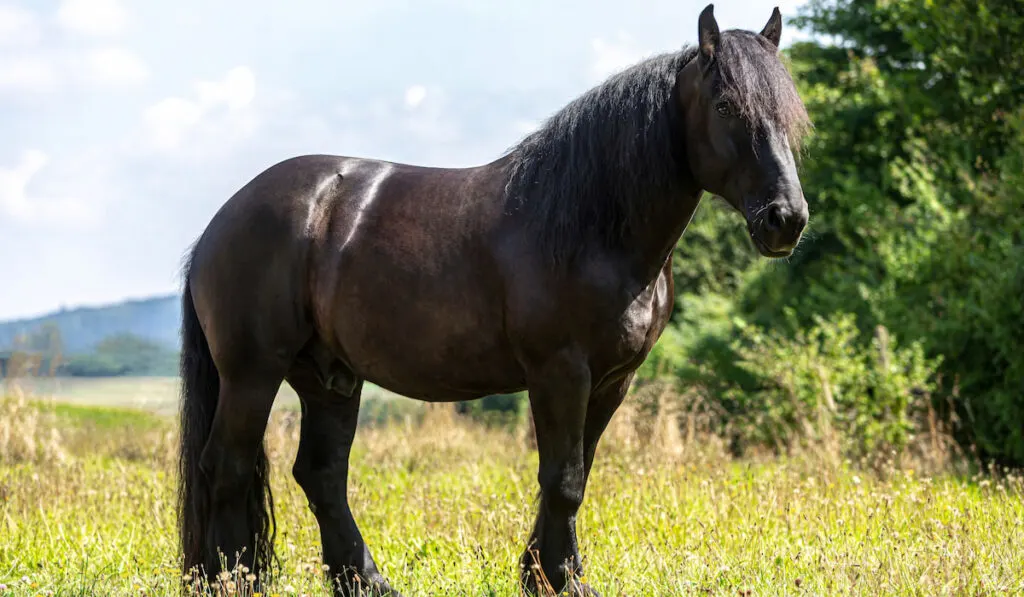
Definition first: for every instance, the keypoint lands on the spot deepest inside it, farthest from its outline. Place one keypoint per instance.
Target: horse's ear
(707, 36)
(773, 30)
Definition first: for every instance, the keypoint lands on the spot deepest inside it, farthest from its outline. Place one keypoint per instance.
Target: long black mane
(590, 172)
(587, 173)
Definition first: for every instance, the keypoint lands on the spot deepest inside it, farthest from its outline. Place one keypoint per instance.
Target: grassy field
(87, 508)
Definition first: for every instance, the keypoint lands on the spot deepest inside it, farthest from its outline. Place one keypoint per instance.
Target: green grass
(102, 418)
(446, 505)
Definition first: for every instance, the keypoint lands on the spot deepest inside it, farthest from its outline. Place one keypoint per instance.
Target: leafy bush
(829, 382)
(825, 382)
(962, 294)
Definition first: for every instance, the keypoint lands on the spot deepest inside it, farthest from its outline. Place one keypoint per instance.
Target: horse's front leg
(603, 403)
(559, 391)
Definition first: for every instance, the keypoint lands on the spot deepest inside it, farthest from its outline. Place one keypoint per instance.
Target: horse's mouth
(766, 252)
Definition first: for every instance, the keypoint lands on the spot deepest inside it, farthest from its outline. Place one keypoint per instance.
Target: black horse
(547, 270)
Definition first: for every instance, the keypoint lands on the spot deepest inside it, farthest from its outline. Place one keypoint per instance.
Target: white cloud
(17, 203)
(31, 73)
(415, 95)
(114, 66)
(387, 127)
(17, 26)
(611, 56)
(235, 91)
(92, 17)
(219, 108)
(37, 72)
(170, 119)
(431, 117)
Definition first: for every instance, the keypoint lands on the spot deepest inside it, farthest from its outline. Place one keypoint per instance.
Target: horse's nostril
(773, 218)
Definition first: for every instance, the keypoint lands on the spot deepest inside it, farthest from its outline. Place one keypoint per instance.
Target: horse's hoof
(373, 587)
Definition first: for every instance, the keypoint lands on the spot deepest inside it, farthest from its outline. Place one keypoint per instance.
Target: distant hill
(157, 319)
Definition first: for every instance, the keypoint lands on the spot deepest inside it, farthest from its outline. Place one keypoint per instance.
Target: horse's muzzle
(777, 229)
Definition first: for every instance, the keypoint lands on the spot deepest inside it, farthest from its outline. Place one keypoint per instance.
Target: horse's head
(743, 117)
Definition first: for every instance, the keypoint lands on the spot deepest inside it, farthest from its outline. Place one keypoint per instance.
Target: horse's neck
(668, 211)
(668, 218)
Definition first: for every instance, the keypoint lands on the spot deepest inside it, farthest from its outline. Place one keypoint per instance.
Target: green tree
(914, 178)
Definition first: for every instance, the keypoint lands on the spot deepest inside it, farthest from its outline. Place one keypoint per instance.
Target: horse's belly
(426, 343)
(426, 361)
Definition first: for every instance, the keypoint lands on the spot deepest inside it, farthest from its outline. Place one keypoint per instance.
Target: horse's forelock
(759, 85)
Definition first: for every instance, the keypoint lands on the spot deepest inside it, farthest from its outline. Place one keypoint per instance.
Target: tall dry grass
(28, 430)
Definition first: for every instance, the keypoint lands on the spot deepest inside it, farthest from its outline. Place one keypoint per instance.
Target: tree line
(125, 354)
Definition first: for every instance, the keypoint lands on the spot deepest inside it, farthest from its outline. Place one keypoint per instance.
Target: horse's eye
(722, 108)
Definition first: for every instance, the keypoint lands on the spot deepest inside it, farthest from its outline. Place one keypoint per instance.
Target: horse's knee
(564, 496)
(563, 487)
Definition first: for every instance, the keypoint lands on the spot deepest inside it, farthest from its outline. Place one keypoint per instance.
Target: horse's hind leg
(329, 418)
(235, 464)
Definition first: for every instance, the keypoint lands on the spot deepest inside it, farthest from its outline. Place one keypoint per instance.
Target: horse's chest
(633, 327)
(632, 334)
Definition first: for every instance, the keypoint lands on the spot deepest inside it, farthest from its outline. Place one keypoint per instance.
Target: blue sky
(125, 124)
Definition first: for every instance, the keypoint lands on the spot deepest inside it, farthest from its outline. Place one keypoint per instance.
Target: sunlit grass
(446, 506)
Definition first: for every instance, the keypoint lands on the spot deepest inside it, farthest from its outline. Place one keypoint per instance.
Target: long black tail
(200, 386)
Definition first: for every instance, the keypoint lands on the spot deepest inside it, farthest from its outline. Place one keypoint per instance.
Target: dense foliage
(915, 176)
